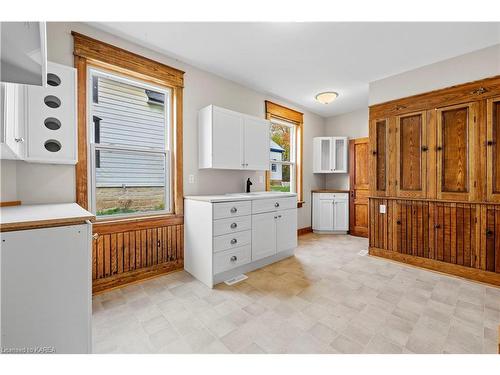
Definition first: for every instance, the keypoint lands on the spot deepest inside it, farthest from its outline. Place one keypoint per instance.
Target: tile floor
(326, 299)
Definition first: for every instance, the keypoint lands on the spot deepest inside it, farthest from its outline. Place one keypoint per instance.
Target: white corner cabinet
(45, 277)
(330, 212)
(232, 140)
(330, 154)
(38, 124)
(225, 236)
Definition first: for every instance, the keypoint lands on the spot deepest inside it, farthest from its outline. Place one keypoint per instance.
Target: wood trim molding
(302, 231)
(81, 167)
(10, 203)
(107, 54)
(438, 266)
(288, 114)
(115, 226)
(463, 93)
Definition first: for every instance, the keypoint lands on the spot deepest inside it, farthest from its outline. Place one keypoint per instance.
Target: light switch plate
(382, 208)
(191, 178)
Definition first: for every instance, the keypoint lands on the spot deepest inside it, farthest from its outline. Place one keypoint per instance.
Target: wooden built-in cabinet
(435, 180)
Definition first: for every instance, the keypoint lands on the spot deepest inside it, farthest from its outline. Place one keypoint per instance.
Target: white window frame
(166, 151)
(293, 152)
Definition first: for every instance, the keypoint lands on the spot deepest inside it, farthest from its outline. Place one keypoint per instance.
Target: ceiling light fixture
(326, 97)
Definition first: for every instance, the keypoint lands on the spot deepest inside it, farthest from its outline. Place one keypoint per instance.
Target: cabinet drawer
(229, 259)
(232, 224)
(232, 240)
(232, 209)
(267, 205)
(333, 196)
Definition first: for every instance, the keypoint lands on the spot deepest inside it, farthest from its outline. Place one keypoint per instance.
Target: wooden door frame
(352, 169)
(491, 196)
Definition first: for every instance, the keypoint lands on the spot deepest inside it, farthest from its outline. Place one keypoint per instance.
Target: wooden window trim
(290, 115)
(91, 52)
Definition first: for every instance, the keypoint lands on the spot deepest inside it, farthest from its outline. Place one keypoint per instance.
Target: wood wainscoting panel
(121, 257)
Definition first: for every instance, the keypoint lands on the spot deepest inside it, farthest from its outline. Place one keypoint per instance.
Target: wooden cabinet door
(457, 152)
(380, 143)
(412, 228)
(286, 230)
(489, 258)
(411, 155)
(493, 150)
(256, 144)
(263, 235)
(359, 186)
(453, 233)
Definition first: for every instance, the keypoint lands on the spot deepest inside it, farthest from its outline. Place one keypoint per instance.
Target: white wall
(45, 183)
(352, 125)
(472, 66)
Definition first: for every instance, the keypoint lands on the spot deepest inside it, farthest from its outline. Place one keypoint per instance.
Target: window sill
(136, 223)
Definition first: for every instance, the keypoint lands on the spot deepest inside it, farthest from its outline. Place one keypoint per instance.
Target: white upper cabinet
(23, 53)
(51, 118)
(39, 123)
(330, 155)
(12, 140)
(232, 140)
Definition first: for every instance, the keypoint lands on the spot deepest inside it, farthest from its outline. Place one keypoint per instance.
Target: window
(282, 156)
(130, 145)
(285, 150)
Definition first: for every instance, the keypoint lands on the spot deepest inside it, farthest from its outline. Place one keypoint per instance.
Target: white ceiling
(295, 61)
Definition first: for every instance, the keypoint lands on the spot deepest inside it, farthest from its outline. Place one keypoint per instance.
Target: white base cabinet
(46, 290)
(224, 238)
(330, 212)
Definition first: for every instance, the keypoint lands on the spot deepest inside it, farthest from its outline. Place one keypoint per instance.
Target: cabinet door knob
(490, 143)
(19, 140)
(234, 225)
(233, 241)
(437, 226)
(439, 148)
(374, 152)
(425, 148)
(234, 258)
(276, 204)
(233, 210)
(398, 222)
(489, 232)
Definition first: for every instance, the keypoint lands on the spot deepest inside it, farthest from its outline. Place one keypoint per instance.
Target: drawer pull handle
(276, 204)
(19, 140)
(234, 225)
(279, 216)
(234, 258)
(233, 241)
(233, 210)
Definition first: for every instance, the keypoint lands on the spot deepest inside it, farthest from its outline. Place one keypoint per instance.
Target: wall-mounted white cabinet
(39, 123)
(232, 140)
(330, 154)
(330, 212)
(12, 129)
(23, 53)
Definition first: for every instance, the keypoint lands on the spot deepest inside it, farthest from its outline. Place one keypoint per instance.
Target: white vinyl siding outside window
(129, 137)
(283, 168)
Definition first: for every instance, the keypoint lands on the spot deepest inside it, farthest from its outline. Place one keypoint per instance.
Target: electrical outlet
(191, 179)
(382, 208)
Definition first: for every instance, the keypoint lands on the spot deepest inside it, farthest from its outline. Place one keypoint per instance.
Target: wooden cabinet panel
(490, 239)
(456, 152)
(411, 155)
(454, 233)
(493, 150)
(380, 151)
(382, 226)
(412, 228)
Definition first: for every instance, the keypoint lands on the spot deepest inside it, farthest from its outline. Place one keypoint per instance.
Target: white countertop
(240, 196)
(42, 215)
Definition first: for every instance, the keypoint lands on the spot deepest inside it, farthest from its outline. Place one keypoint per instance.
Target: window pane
(282, 179)
(129, 182)
(281, 142)
(127, 114)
